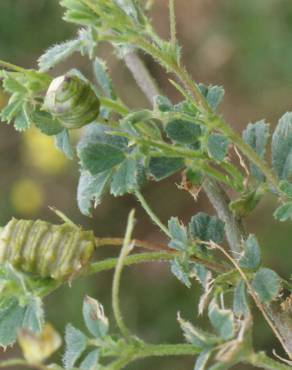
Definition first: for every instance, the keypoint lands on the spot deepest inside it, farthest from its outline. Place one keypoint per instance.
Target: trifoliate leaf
(206, 228)
(103, 79)
(91, 361)
(213, 94)
(184, 132)
(267, 284)
(284, 212)
(62, 141)
(94, 317)
(178, 232)
(240, 305)
(222, 320)
(125, 178)
(217, 146)
(162, 167)
(11, 319)
(251, 258)
(202, 360)
(76, 343)
(91, 189)
(282, 147)
(256, 135)
(180, 269)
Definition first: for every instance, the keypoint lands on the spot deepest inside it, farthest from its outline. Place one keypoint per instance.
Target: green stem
(151, 214)
(117, 276)
(220, 124)
(261, 360)
(115, 105)
(133, 259)
(13, 362)
(12, 66)
(154, 350)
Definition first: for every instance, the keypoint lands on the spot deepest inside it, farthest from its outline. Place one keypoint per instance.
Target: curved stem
(117, 276)
(11, 66)
(151, 214)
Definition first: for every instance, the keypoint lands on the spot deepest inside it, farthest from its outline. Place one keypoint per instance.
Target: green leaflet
(98, 157)
(202, 360)
(179, 236)
(162, 167)
(91, 189)
(267, 284)
(213, 94)
(11, 319)
(103, 79)
(94, 318)
(240, 303)
(217, 146)
(180, 269)
(184, 132)
(34, 315)
(221, 320)
(76, 343)
(62, 142)
(284, 212)
(256, 135)
(125, 178)
(162, 104)
(206, 228)
(251, 258)
(46, 123)
(282, 147)
(91, 361)
(57, 54)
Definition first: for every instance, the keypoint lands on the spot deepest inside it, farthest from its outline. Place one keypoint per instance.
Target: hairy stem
(117, 276)
(151, 214)
(160, 248)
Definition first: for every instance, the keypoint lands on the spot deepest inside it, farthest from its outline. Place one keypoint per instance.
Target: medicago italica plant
(120, 149)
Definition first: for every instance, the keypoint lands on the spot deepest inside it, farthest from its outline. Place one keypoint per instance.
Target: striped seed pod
(46, 250)
(72, 101)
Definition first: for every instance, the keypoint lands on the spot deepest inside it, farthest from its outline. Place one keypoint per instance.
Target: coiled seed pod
(46, 250)
(72, 101)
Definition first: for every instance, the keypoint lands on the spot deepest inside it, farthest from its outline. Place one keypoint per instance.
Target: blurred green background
(245, 46)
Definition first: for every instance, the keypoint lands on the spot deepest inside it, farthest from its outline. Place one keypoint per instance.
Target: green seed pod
(72, 101)
(46, 250)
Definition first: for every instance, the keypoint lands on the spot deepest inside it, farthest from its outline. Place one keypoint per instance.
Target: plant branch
(162, 250)
(117, 276)
(217, 196)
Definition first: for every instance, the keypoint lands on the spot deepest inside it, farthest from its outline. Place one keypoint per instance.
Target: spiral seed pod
(46, 250)
(72, 101)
